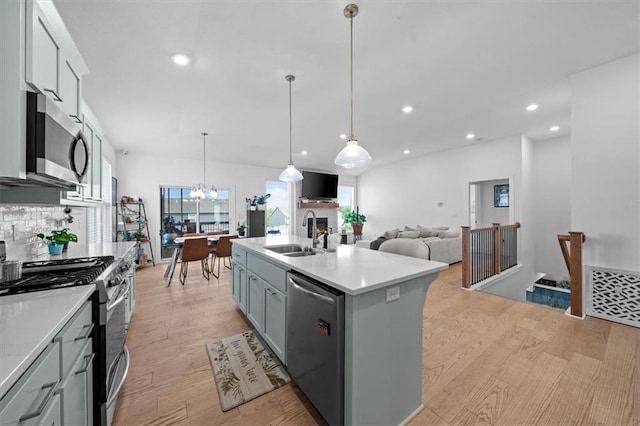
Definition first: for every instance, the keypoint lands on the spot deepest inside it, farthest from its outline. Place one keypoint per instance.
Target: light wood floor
(487, 360)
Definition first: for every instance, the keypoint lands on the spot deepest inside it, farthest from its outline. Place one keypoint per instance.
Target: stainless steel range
(109, 277)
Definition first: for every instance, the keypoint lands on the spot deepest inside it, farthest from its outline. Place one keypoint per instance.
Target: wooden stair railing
(573, 259)
(494, 267)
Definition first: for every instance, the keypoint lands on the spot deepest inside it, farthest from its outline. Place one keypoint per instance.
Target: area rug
(244, 368)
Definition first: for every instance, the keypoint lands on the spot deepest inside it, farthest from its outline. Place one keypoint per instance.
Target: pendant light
(290, 174)
(201, 190)
(352, 155)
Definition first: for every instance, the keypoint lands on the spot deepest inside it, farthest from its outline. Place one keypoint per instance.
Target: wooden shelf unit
(318, 205)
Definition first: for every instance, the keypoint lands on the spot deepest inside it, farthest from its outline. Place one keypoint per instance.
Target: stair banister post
(575, 243)
(466, 256)
(496, 248)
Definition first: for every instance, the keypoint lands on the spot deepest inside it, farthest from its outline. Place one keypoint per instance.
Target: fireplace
(322, 223)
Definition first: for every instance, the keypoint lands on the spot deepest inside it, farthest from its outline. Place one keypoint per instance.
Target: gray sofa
(444, 243)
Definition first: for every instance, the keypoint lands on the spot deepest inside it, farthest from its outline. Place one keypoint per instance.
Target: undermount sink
(292, 250)
(299, 253)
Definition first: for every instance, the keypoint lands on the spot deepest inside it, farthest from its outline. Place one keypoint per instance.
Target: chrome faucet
(315, 226)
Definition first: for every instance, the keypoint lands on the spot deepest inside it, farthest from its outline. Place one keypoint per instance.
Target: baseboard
(412, 415)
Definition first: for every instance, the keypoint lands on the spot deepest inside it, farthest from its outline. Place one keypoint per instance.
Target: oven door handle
(119, 300)
(116, 390)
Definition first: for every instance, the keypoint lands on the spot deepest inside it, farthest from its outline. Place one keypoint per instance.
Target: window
(180, 213)
(346, 202)
(278, 208)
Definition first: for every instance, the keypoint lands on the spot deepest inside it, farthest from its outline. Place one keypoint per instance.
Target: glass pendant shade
(290, 174)
(353, 156)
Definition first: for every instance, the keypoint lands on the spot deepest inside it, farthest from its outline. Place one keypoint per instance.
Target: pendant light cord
(290, 131)
(351, 73)
(204, 159)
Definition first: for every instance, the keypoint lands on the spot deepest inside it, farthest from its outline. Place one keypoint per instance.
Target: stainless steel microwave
(57, 151)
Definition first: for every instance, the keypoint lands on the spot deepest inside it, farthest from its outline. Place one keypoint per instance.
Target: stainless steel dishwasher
(315, 344)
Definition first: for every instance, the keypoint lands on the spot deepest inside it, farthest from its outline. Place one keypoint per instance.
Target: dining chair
(194, 249)
(213, 247)
(223, 251)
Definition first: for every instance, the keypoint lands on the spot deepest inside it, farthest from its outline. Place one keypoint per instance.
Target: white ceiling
(465, 66)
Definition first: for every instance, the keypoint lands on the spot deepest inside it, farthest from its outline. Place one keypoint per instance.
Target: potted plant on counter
(241, 229)
(58, 240)
(356, 220)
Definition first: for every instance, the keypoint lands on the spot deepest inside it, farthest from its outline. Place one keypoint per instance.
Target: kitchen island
(384, 296)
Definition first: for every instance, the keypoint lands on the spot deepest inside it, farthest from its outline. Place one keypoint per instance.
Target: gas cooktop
(51, 274)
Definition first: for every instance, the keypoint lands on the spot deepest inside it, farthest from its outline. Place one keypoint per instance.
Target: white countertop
(28, 322)
(75, 250)
(353, 270)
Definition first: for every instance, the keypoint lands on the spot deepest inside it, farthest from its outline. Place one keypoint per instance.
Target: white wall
(552, 204)
(408, 192)
(488, 214)
(605, 155)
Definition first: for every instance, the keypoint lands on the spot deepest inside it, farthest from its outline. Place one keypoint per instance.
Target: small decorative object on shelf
(134, 227)
(258, 202)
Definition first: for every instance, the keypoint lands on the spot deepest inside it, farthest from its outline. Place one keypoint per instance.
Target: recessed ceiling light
(304, 153)
(180, 59)
(406, 151)
(532, 107)
(554, 128)
(470, 136)
(407, 109)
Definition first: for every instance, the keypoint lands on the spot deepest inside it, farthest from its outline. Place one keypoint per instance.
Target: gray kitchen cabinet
(131, 278)
(57, 388)
(76, 391)
(70, 91)
(255, 302)
(53, 64)
(264, 302)
(274, 330)
(51, 416)
(239, 286)
(32, 398)
(43, 53)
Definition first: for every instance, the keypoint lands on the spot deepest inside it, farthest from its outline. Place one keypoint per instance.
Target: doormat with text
(244, 368)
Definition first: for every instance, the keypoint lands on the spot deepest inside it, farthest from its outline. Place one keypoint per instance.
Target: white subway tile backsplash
(19, 225)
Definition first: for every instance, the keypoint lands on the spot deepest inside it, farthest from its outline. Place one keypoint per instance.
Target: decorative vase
(357, 228)
(55, 248)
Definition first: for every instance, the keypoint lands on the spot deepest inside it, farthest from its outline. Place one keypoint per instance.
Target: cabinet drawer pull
(271, 292)
(43, 404)
(89, 328)
(86, 367)
(76, 118)
(53, 92)
(252, 278)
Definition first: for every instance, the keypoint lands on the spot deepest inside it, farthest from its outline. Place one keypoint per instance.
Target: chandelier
(201, 191)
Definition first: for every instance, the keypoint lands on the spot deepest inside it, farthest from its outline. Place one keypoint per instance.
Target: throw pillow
(451, 233)
(393, 233)
(441, 228)
(427, 232)
(409, 234)
(406, 228)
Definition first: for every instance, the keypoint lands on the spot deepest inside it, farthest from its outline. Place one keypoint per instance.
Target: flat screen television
(319, 186)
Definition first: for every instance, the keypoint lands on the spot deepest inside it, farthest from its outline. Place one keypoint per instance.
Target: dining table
(179, 242)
